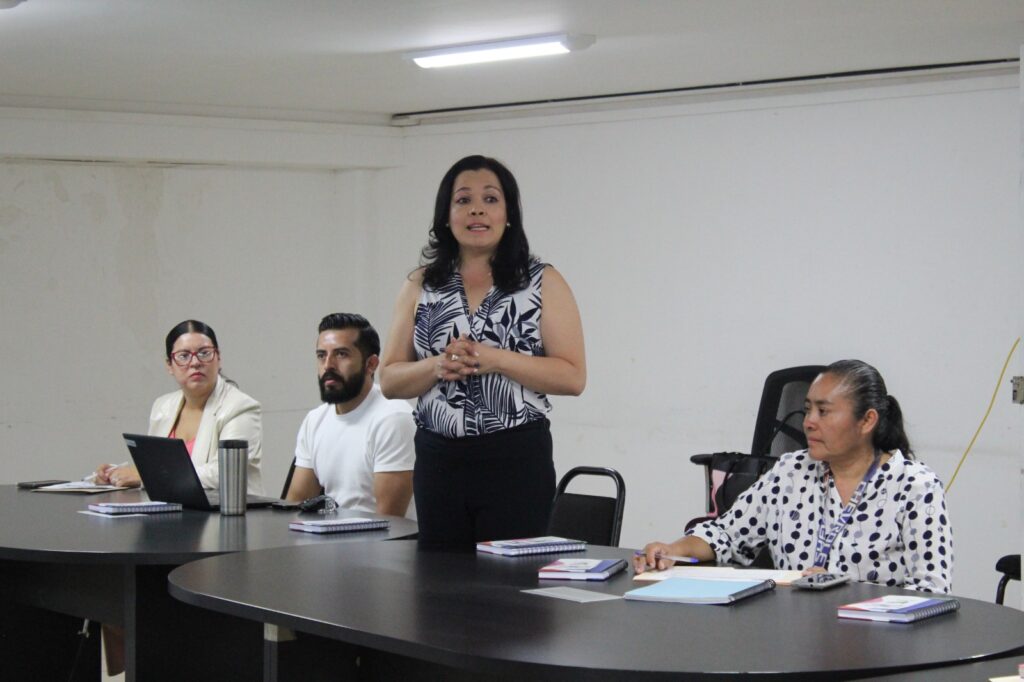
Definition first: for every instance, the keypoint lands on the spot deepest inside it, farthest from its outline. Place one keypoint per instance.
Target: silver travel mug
(233, 461)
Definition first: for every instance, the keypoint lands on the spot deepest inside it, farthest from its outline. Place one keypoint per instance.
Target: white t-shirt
(345, 450)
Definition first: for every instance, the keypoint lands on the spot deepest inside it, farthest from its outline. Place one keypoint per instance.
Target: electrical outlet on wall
(1018, 389)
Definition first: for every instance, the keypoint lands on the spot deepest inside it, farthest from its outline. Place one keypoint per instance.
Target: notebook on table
(718, 573)
(546, 544)
(346, 525)
(79, 487)
(581, 569)
(119, 508)
(897, 608)
(700, 591)
(166, 470)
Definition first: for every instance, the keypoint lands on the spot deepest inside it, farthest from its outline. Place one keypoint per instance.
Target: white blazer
(229, 414)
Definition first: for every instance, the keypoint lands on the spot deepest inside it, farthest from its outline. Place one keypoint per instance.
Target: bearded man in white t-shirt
(358, 445)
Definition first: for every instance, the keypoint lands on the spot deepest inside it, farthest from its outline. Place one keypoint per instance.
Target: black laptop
(167, 472)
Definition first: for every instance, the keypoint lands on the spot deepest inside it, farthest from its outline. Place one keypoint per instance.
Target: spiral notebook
(546, 544)
(581, 569)
(347, 525)
(114, 508)
(898, 608)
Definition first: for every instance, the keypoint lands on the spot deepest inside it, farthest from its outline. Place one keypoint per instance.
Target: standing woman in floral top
(482, 333)
(855, 502)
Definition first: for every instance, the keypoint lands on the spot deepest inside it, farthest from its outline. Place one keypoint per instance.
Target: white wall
(99, 262)
(707, 243)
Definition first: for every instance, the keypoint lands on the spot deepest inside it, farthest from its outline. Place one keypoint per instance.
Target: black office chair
(593, 518)
(288, 481)
(1009, 566)
(777, 430)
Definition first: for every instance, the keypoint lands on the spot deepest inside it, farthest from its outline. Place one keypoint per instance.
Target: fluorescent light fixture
(515, 48)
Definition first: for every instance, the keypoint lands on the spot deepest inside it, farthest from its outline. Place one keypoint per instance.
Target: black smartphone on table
(32, 485)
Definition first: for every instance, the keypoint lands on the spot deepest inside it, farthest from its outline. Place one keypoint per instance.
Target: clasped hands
(112, 474)
(462, 358)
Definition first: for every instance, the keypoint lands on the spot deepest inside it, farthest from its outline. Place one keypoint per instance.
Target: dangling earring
(508, 224)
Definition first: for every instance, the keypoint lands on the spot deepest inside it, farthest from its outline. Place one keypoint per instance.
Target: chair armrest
(705, 459)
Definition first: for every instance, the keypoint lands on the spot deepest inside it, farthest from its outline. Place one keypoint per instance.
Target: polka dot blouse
(899, 534)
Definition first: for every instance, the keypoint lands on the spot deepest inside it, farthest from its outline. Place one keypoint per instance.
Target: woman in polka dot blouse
(854, 502)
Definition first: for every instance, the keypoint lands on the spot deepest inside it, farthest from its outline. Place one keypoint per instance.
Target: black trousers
(491, 487)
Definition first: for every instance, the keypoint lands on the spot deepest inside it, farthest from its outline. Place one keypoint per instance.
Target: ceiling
(341, 60)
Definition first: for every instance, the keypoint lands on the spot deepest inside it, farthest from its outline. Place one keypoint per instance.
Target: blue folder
(700, 590)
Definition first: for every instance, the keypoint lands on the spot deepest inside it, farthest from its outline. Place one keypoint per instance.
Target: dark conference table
(114, 570)
(467, 611)
(980, 672)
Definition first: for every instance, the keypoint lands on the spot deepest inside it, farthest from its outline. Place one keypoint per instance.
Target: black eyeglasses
(182, 358)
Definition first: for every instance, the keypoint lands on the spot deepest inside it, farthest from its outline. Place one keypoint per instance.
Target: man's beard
(345, 389)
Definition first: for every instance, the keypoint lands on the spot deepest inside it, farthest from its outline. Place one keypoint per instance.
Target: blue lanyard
(823, 545)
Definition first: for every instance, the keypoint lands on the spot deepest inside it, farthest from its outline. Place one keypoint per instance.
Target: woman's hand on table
(652, 558)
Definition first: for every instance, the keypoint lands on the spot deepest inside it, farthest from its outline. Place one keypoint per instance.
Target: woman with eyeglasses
(206, 409)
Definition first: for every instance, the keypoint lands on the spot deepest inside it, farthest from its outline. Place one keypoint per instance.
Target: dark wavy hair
(188, 327)
(510, 265)
(865, 388)
(368, 341)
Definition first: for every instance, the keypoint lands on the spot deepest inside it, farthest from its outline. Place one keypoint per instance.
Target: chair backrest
(778, 429)
(1009, 566)
(734, 472)
(593, 518)
(779, 425)
(288, 480)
